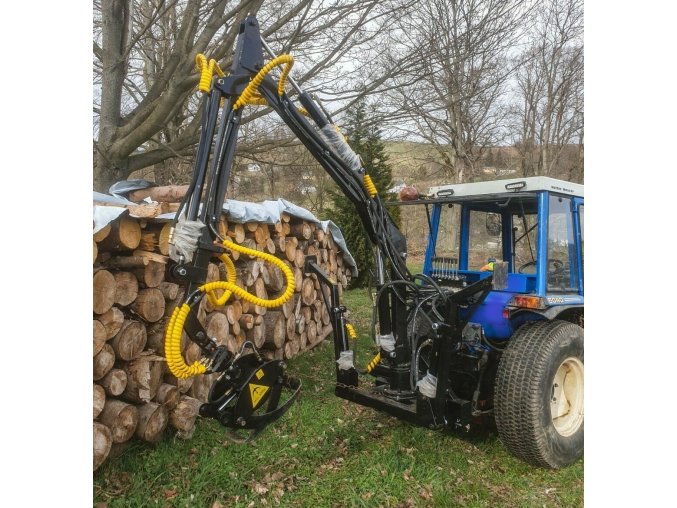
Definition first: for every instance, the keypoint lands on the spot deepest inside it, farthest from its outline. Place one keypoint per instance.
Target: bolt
(219, 81)
(241, 421)
(182, 271)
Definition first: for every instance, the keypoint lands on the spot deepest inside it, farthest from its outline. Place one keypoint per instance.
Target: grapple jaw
(247, 395)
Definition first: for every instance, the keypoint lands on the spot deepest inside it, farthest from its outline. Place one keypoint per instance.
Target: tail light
(527, 302)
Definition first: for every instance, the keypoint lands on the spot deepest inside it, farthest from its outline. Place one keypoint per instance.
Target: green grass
(328, 452)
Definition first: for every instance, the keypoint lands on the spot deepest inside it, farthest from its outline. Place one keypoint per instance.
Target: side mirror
(493, 224)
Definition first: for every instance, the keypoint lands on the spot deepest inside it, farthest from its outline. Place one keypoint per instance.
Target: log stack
(134, 392)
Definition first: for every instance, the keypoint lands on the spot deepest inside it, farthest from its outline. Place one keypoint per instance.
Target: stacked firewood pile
(134, 392)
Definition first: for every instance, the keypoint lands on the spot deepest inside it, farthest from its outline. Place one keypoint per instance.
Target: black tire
(524, 391)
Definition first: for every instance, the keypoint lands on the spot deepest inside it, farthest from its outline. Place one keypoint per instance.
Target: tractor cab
(528, 230)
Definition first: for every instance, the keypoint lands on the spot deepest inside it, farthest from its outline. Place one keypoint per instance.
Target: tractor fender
(520, 316)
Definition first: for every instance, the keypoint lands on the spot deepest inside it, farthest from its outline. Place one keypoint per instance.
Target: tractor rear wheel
(539, 394)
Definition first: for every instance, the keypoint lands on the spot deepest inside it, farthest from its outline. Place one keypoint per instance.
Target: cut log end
(103, 440)
(99, 399)
(121, 418)
(153, 419)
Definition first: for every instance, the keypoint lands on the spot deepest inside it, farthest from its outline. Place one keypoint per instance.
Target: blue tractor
(527, 234)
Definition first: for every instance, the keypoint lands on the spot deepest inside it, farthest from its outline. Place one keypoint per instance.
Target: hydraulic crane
(434, 368)
(249, 382)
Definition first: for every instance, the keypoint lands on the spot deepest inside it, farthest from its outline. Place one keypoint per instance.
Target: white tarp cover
(268, 212)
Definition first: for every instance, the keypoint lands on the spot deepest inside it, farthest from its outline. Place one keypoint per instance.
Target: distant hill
(419, 164)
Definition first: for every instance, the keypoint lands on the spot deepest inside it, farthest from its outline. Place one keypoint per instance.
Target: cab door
(563, 271)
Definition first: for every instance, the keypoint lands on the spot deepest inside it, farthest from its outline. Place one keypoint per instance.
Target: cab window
(562, 267)
(483, 247)
(525, 246)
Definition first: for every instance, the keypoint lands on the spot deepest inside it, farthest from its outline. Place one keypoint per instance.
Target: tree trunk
(183, 385)
(102, 233)
(115, 382)
(275, 328)
(168, 395)
(164, 194)
(112, 320)
(130, 340)
(126, 288)
(257, 334)
(152, 274)
(302, 230)
(169, 290)
(103, 439)
(104, 291)
(184, 414)
(99, 399)
(308, 293)
(125, 235)
(121, 418)
(153, 419)
(99, 337)
(217, 327)
(150, 304)
(103, 362)
(260, 291)
(144, 376)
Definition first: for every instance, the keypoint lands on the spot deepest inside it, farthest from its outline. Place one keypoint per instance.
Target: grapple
(247, 395)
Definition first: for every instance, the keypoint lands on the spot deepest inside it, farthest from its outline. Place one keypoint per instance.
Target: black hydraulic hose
(193, 180)
(203, 157)
(371, 211)
(220, 148)
(422, 276)
(320, 150)
(378, 298)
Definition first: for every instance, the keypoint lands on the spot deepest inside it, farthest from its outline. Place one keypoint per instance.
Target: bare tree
(145, 107)
(549, 108)
(451, 94)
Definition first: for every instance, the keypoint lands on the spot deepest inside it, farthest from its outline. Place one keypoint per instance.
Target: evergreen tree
(366, 141)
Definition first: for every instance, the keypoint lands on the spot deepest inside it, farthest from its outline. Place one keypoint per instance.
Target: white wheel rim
(566, 401)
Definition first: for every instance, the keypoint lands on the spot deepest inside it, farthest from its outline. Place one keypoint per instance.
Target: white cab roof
(529, 184)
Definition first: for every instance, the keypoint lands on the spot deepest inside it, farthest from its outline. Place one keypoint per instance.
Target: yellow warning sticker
(257, 392)
(259, 374)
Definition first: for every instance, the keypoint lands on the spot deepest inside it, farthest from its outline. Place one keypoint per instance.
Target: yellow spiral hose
(250, 96)
(207, 70)
(232, 276)
(369, 185)
(231, 287)
(374, 362)
(351, 331)
(252, 88)
(175, 361)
